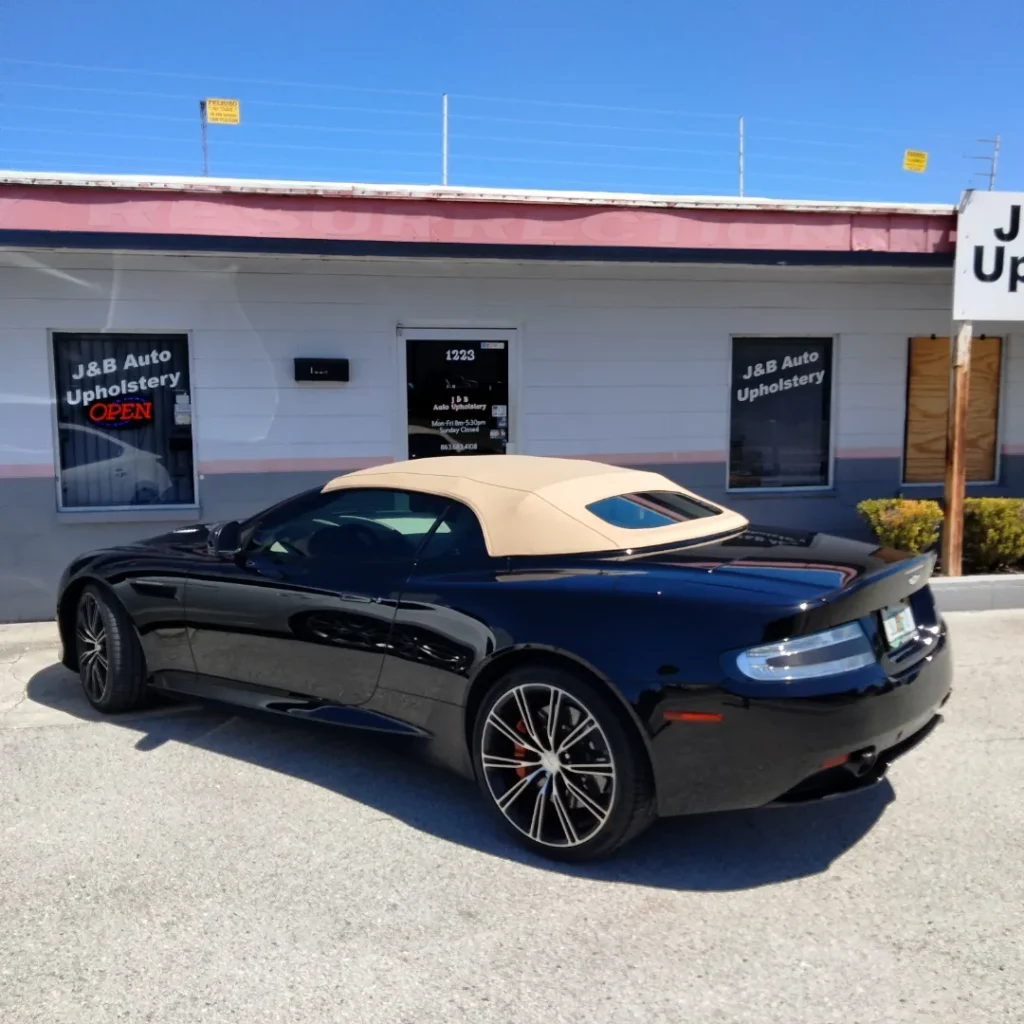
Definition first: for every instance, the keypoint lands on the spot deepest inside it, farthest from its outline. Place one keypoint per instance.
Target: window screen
(649, 509)
(124, 413)
(780, 412)
(924, 456)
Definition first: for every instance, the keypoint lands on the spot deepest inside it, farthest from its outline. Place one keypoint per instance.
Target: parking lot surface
(188, 865)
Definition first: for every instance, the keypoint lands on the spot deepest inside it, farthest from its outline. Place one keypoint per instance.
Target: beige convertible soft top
(529, 505)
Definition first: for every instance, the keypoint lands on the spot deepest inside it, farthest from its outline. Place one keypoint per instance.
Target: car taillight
(829, 653)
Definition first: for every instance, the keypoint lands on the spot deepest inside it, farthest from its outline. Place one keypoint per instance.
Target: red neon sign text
(120, 413)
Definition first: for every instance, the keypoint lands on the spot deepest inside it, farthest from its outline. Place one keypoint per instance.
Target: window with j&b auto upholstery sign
(780, 412)
(124, 420)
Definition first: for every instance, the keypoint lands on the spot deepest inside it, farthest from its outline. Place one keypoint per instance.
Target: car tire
(110, 659)
(562, 798)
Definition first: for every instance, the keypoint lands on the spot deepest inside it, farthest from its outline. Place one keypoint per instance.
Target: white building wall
(614, 359)
(622, 361)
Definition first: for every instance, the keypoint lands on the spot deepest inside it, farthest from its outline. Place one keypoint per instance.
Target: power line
(577, 124)
(817, 142)
(589, 185)
(804, 159)
(99, 113)
(107, 91)
(416, 175)
(248, 102)
(213, 78)
(569, 163)
(99, 135)
(324, 149)
(509, 140)
(231, 159)
(87, 156)
(774, 176)
(567, 104)
(851, 128)
(220, 143)
(341, 128)
(328, 106)
(593, 106)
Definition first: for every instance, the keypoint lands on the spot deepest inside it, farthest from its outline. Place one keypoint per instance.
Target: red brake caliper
(519, 752)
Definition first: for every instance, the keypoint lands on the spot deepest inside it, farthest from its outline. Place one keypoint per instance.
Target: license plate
(899, 625)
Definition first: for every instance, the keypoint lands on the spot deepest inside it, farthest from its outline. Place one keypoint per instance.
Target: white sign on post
(988, 279)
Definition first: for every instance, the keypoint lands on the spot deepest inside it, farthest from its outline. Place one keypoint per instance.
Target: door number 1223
(460, 355)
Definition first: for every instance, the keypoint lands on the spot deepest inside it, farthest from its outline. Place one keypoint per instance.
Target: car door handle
(357, 598)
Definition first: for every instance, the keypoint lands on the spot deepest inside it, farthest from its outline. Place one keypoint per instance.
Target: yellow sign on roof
(915, 160)
(222, 112)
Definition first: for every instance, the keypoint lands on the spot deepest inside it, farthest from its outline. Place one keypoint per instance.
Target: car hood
(185, 537)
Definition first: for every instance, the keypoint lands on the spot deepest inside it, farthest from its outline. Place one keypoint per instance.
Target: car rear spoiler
(867, 594)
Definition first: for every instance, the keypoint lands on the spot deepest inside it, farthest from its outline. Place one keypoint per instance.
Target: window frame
(997, 462)
(830, 485)
(251, 525)
(446, 561)
(95, 512)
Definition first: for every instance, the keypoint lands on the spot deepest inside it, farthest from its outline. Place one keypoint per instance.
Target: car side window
(458, 538)
(358, 524)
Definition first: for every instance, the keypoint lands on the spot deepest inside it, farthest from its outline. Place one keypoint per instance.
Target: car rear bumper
(783, 750)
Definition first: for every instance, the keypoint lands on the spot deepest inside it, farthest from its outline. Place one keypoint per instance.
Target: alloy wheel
(92, 648)
(548, 765)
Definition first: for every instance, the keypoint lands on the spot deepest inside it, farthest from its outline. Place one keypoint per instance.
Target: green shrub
(901, 523)
(993, 532)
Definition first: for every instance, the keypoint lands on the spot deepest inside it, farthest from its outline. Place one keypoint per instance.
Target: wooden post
(956, 456)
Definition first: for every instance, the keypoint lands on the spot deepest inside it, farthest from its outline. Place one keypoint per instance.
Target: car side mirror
(227, 541)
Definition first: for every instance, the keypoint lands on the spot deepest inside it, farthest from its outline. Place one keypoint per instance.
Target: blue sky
(634, 97)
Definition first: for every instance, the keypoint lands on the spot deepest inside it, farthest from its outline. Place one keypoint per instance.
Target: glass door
(457, 397)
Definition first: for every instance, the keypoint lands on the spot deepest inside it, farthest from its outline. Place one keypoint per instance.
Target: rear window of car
(649, 509)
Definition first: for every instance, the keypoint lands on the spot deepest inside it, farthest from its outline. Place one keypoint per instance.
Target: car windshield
(648, 509)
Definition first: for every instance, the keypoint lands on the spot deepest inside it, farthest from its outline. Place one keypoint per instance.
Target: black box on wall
(322, 369)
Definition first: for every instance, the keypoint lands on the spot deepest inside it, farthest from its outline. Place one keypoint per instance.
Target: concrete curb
(978, 593)
(28, 633)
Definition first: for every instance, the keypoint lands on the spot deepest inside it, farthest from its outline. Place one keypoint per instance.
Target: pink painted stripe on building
(343, 465)
(330, 217)
(650, 458)
(25, 471)
(217, 466)
(869, 453)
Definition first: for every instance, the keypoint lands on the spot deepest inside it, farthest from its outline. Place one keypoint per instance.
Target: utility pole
(444, 138)
(992, 160)
(202, 131)
(955, 483)
(741, 154)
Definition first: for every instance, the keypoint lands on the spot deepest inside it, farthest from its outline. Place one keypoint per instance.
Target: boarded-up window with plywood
(924, 459)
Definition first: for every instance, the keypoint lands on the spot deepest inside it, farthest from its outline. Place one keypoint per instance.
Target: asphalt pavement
(188, 865)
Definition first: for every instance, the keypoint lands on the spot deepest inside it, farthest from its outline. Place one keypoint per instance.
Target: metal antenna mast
(993, 162)
(740, 154)
(444, 138)
(202, 129)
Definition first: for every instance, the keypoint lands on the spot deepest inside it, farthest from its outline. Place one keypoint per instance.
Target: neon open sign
(121, 412)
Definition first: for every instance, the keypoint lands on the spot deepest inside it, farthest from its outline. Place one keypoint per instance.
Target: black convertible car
(596, 645)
